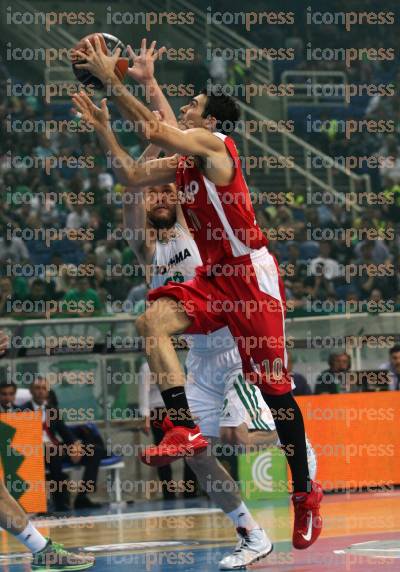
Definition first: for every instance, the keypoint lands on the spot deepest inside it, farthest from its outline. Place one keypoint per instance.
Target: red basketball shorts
(246, 294)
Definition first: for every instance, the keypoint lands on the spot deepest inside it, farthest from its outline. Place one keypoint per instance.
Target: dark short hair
(394, 349)
(223, 107)
(5, 383)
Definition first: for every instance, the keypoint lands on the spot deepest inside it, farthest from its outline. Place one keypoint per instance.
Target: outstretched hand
(91, 114)
(142, 69)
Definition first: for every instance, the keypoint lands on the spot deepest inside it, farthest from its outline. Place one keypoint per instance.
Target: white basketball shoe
(253, 545)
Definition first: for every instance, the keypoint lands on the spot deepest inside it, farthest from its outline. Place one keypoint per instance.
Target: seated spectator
(324, 264)
(108, 254)
(13, 250)
(296, 269)
(33, 304)
(302, 387)
(61, 445)
(79, 217)
(6, 295)
(371, 252)
(8, 392)
(296, 296)
(393, 366)
(333, 380)
(82, 300)
(390, 170)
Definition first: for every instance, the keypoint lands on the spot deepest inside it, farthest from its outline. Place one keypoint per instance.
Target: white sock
(242, 518)
(31, 538)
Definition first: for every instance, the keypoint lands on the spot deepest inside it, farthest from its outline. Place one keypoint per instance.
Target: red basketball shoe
(177, 442)
(307, 520)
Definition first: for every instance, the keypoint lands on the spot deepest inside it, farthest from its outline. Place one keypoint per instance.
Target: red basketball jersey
(221, 218)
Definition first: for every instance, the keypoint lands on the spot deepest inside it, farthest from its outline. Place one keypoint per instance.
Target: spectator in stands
(61, 445)
(82, 300)
(296, 296)
(79, 217)
(14, 250)
(32, 305)
(8, 392)
(218, 68)
(390, 170)
(324, 264)
(6, 295)
(296, 269)
(108, 254)
(302, 387)
(393, 366)
(333, 380)
(371, 252)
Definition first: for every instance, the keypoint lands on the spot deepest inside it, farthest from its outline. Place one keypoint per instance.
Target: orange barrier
(356, 438)
(21, 456)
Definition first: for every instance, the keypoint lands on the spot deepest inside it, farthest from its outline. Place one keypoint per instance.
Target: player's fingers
(103, 105)
(80, 106)
(116, 54)
(143, 47)
(83, 66)
(131, 53)
(78, 55)
(152, 48)
(85, 98)
(89, 46)
(82, 100)
(158, 53)
(97, 45)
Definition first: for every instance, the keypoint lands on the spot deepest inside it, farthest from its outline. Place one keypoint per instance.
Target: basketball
(109, 44)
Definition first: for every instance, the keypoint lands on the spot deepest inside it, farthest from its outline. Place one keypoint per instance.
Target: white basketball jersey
(176, 260)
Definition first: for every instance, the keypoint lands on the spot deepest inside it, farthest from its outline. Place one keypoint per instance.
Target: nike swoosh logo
(193, 437)
(307, 536)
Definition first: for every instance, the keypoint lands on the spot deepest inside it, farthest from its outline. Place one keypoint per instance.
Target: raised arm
(142, 71)
(128, 171)
(196, 141)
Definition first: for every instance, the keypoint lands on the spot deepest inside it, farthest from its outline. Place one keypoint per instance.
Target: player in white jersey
(223, 404)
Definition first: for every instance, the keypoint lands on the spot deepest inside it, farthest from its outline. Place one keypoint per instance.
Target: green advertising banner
(263, 475)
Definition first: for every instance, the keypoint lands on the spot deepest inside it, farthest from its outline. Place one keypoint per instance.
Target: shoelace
(244, 541)
(59, 548)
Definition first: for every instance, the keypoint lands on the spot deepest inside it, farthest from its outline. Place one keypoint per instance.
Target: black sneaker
(55, 557)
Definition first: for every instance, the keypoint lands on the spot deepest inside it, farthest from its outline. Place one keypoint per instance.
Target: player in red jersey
(238, 286)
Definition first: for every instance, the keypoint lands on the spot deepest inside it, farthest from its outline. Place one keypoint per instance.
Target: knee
(152, 322)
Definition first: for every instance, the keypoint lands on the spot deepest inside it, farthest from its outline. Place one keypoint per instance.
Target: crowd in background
(36, 198)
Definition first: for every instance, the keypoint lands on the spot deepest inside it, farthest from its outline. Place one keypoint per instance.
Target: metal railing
(204, 31)
(325, 178)
(311, 338)
(315, 88)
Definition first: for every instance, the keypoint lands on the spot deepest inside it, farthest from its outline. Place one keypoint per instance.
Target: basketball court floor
(361, 533)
